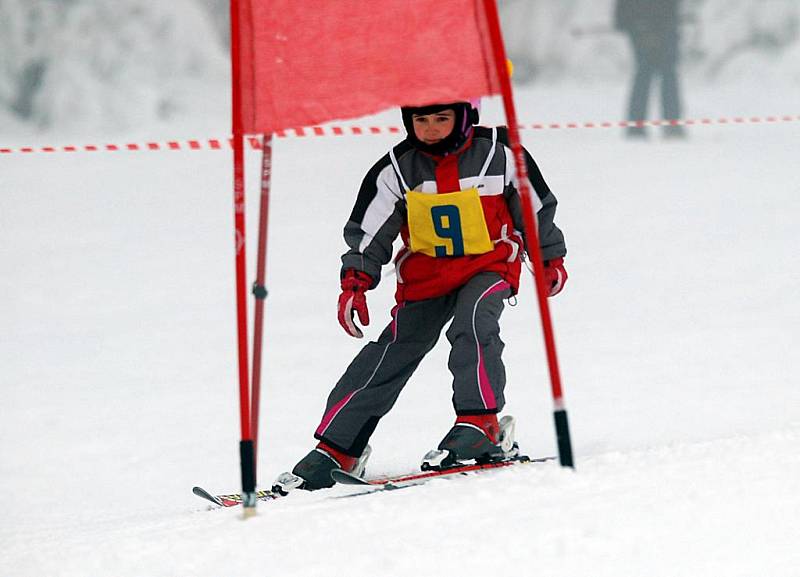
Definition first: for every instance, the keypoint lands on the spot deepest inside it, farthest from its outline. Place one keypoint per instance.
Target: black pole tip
(564, 442)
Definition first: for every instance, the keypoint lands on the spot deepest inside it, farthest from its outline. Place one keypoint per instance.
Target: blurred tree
(769, 27)
(534, 38)
(77, 63)
(26, 27)
(219, 10)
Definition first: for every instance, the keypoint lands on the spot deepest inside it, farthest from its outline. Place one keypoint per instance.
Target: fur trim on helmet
(466, 117)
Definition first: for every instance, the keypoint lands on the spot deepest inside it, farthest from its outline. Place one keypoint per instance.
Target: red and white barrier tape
(255, 142)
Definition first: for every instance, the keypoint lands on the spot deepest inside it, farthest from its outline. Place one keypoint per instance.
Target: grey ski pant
(373, 381)
(656, 55)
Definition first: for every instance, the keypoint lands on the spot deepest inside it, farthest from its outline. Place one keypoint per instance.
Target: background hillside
(98, 67)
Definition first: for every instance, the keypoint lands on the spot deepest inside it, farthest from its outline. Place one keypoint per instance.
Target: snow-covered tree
(99, 65)
(551, 40)
(88, 66)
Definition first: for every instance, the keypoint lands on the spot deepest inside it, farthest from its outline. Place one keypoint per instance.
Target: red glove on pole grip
(353, 300)
(555, 276)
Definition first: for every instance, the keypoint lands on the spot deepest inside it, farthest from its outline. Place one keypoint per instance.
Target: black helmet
(466, 116)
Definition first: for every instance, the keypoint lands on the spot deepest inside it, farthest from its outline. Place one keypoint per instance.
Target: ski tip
(200, 492)
(541, 459)
(346, 478)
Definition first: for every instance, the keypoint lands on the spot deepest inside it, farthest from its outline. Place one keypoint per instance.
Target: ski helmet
(466, 116)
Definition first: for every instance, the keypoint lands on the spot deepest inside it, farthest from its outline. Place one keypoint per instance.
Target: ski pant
(373, 381)
(656, 55)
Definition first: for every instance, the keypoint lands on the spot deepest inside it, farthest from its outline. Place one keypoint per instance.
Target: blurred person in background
(653, 29)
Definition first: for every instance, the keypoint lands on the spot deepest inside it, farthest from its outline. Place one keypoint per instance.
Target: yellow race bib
(448, 224)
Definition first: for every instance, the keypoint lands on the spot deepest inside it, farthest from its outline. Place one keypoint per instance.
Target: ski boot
(314, 470)
(474, 438)
(674, 132)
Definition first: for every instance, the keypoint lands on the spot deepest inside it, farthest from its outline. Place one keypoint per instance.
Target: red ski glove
(353, 300)
(555, 276)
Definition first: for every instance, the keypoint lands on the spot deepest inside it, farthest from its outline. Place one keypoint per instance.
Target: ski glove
(555, 276)
(353, 300)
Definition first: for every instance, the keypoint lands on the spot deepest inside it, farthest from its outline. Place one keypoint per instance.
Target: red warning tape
(314, 131)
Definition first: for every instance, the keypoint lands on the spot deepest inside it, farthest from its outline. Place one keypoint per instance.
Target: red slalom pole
(500, 61)
(259, 288)
(246, 445)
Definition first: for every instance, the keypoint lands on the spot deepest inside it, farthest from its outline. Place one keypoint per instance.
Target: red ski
(392, 482)
(417, 478)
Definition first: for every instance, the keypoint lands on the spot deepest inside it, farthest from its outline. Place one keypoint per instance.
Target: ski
(418, 478)
(388, 483)
(233, 499)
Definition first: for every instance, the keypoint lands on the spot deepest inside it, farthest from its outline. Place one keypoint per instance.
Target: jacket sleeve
(376, 220)
(551, 239)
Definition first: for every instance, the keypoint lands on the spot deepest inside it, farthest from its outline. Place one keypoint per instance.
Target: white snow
(676, 335)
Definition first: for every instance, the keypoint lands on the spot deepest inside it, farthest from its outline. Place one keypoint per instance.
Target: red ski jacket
(457, 215)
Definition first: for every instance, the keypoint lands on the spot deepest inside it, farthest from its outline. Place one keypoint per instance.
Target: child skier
(450, 191)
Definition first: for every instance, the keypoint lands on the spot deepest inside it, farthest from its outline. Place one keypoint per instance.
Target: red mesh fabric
(305, 63)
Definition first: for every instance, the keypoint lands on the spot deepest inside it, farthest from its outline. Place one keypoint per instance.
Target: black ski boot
(313, 471)
(467, 442)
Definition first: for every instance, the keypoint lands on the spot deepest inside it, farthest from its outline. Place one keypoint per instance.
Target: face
(432, 128)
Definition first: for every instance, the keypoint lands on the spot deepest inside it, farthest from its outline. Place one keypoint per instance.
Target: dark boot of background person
(674, 132)
(636, 133)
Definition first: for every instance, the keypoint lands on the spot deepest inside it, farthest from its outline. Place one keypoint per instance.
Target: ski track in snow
(676, 337)
(717, 507)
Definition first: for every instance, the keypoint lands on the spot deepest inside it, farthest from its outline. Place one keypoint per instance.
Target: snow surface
(676, 332)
